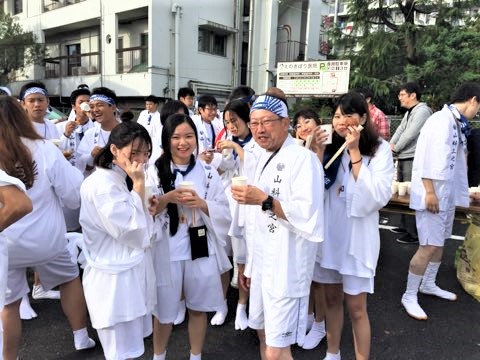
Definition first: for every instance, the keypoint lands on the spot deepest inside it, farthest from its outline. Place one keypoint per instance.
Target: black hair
(170, 108)
(306, 113)
(163, 163)
(126, 115)
(354, 103)
(83, 86)
(105, 91)
(366, 92)
(122, 135)
(465, 92)
(152, 98)
(29, 85)
(184, 92)
(205, 100)
(76, 93)
(412, 88)
(244, 93)
(241, 108)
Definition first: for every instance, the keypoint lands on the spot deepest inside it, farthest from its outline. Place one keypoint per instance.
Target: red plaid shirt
(381, 122)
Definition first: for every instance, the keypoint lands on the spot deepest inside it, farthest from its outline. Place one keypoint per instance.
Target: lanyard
(269, 159)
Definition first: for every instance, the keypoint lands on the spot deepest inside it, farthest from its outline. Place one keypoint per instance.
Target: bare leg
(36, 279)
(334, 316)
(275, 353)
(319, 299)
(161, 335)
(12, 330)
(73, 303)
(357, 308)
(263, 346)
(197, 329)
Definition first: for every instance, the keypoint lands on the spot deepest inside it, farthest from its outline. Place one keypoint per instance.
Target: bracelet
(356, 162)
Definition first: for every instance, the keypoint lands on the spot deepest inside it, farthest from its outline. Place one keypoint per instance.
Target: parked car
(55, 115)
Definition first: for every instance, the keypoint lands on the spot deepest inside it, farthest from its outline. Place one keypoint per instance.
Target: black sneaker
(398, 230)
(407, 239)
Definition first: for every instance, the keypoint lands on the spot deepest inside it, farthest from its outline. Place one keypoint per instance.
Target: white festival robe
(73, 141)
(209, 187)
(40, 235)
(352, 238)
(94, 136)
(119, 280)
(47, 129)
(154, 129)
(284, 252)
(440, 156)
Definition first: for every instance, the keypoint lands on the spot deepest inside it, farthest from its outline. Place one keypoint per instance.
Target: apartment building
(147, 47)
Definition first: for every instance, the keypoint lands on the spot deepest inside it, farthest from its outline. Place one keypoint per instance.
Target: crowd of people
(168, 205)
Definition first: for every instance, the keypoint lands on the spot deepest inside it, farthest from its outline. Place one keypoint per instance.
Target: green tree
(18, 48)
(386, 52)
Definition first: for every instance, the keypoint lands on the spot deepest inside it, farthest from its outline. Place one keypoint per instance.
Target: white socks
(429, 287)
(26, 311)
(331, 356)
(315, 335)
(81, 339)
(220, 315)
(160, 357)
(409, 298)
(234, 282)
(241, 319)
(182, 308)
(196, 357)
(310, 320)
(38, 292)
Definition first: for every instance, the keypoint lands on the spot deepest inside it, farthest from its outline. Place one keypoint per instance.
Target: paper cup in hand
(329, 130)
(187, 185)
(298, 141)
(56, 142)
(402, 189)
(148, 193)
(239, 181)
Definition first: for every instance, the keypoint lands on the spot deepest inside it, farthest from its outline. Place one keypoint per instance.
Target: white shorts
(284, 319)
(201, 285)
(352, 285)
(432, 228)
(124, 340)
(56, 271)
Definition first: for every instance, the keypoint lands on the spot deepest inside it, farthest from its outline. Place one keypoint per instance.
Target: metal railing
(49, 5)
(76, 65)
(134, 59)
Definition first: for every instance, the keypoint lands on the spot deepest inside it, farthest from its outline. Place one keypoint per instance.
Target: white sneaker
(39, 292)
(413, 308)
(26, 311)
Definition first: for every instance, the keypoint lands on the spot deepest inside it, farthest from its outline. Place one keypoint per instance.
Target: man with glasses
(403, 145)
(284, 225)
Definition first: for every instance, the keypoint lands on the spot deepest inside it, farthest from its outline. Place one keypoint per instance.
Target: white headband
(270, 103)
(34, 90)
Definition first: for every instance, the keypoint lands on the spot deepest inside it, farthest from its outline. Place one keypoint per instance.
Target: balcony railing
(134, 59)
(49, 5)
(76, 65)
(290, 51)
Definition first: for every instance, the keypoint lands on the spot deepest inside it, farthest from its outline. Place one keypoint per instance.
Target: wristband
(356, 162)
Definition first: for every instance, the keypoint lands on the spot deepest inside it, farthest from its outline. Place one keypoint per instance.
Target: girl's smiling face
(183, 144)
(305, 127)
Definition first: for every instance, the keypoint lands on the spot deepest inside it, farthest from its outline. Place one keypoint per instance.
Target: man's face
(187, 100)
(151, 106)
(102, 111)
(472, 108)
(80, 114)
(36, 106)
(407, 100)
(208, 113)
(268, 129)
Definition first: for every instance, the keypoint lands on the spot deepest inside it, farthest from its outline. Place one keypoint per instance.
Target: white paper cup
(409, 187)
(298, 141)
(148, 192)
(394, 187)
(226, 152)
(56, 142)
(187, 185)
(402, 189)
(329, 129)
(239, 180)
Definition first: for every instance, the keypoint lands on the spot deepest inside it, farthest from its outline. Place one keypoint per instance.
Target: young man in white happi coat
(439, 183)
(284, 224)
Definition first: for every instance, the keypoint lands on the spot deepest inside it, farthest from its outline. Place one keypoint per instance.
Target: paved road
(452, 331)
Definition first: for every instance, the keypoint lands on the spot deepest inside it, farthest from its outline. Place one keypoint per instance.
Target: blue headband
(270, 103)
(103, 98)
(34, 90)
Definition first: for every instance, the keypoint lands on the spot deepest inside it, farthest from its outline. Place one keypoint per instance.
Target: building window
(17, 7)
(212, 43)
(74, 60)
(144, 48)
(120, 55)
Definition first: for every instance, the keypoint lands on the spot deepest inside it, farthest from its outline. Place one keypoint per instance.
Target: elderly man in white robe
(439, 183)
(283, 228)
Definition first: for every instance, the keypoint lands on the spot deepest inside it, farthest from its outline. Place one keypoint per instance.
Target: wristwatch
(267, 204)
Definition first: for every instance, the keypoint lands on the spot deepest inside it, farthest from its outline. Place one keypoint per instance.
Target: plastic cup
(148, 193)
(187, 185)
(402, 189)
(56, 142)
(329, 129)
(394, 187)
(409, 187)
(298, 141)
(226, 152)
(239, 181)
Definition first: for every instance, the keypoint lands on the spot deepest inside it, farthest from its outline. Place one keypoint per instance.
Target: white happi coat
(40, 235)
(167, 248)
(5, 180)
(283, 252)
(352, 238)
(94, 136)
(118, 280)
(440, 156)
(47, 129)
(73, 141)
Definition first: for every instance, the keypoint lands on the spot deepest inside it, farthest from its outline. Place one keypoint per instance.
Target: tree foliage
(18, 48)
(386, 52)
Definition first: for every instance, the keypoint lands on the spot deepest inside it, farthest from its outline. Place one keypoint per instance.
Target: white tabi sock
(315, 335)
(331, 356)
(429, 287)
(81, 339)
(310, 320)
(160, 357)
(26, 311)
(182, 308)
(410, 299)
(241, 319)
(196, 357)
(220, 315)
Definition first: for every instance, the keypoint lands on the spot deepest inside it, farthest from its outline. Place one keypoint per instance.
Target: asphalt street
(452, 331)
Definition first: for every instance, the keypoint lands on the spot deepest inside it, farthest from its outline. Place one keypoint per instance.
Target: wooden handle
(339, 151)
